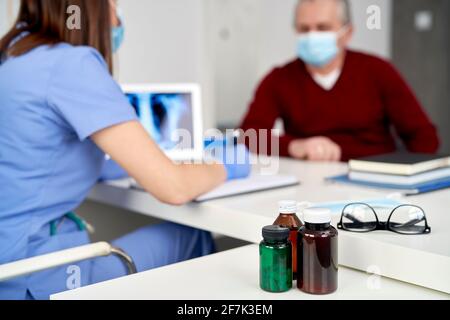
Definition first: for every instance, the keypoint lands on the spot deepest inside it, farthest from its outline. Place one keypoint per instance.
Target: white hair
(344, 10)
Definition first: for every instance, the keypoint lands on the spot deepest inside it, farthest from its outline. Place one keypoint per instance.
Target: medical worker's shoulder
(78, 67)
(76, 56)
(379, 70)
(286, 72)
(374, 64)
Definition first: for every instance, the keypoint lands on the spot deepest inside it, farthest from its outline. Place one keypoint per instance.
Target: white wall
(375, 41)
(250, 37)
(164, 42)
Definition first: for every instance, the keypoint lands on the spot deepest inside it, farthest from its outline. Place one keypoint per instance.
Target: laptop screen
(167, 117)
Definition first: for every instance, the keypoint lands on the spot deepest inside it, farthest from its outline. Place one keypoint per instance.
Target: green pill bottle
(275, 254)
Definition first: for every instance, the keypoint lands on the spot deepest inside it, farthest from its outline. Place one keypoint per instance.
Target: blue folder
(407, 190)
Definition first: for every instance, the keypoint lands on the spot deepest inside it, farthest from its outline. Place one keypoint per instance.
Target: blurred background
(229, 45)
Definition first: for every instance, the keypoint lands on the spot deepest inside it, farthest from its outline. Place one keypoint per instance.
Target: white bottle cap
(317, 215)
(288, 207)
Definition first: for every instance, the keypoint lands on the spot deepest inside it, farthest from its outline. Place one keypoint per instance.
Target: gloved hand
(235, 158)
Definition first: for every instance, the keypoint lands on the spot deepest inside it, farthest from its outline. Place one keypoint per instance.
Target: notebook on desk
(405, 190)
(407, 173)
(400, 163)
(254, 183)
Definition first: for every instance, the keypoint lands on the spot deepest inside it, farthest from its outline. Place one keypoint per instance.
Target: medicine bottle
(317, 253)
(275, 254)
(288, 218)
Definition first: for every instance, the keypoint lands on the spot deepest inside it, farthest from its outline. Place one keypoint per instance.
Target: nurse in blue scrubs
(60, 112)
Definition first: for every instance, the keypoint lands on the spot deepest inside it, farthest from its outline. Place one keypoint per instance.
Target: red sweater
(369, 99)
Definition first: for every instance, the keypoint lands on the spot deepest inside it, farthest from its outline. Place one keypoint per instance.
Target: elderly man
(338, 104)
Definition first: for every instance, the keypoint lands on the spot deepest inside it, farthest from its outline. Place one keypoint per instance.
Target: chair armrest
(52, 260)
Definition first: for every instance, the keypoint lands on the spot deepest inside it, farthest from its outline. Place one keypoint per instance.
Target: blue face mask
(118, 35)
(318, 48)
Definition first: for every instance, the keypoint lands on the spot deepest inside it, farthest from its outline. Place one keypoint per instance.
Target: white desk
(420, 260)
(233, 275)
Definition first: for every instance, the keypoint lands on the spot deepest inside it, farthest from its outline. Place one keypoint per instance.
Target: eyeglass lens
(359, 218)
(408, 220)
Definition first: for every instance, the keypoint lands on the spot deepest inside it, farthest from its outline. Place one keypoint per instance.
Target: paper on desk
(253, 183)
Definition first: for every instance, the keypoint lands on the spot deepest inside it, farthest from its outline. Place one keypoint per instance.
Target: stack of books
(409, 173)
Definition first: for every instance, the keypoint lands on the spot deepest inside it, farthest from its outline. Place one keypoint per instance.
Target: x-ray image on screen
(164, 114)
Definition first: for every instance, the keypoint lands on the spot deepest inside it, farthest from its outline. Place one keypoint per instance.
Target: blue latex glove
(238, 169)
(235, 158)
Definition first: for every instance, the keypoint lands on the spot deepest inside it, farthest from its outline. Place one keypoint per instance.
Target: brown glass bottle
(317, 253)
(288, 219)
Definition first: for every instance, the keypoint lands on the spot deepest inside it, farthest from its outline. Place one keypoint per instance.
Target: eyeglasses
(405, 219)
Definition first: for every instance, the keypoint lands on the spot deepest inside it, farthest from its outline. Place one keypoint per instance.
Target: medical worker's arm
(132, 148)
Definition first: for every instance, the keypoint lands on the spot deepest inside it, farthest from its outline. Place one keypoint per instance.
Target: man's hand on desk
(315, 149)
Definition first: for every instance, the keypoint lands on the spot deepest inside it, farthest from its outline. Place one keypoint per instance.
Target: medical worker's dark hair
(45, 22)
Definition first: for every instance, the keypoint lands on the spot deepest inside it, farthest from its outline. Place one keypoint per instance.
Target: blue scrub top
(52, 99)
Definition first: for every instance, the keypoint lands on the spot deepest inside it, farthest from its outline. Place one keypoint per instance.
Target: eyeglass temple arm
(408, 224)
